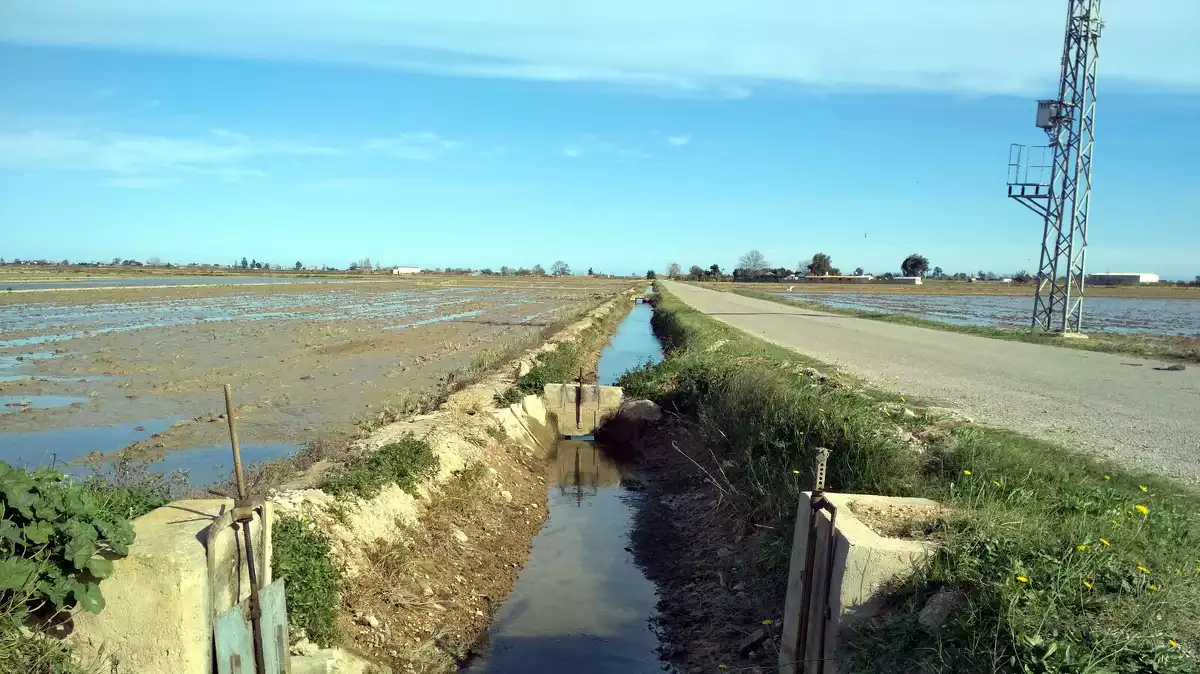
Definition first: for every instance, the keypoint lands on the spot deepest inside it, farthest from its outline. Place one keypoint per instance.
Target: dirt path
(1117, 406)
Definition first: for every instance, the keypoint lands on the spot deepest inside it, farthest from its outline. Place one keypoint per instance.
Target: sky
(615, 135)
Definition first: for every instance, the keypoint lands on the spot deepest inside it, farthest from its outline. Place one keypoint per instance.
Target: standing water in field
(581, 605)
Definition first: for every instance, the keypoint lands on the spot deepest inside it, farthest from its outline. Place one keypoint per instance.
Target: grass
(404, 463)
(563, 364)
(311, 583)
(1022, 549)
(1143, 345)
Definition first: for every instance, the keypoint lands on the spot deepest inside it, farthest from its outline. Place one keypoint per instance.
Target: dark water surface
(581, 604)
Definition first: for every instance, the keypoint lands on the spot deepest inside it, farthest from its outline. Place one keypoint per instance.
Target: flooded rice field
(92, 372)
(1109, 314)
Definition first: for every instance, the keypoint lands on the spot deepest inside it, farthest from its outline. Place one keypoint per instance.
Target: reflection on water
(583, 469)
(581, 604)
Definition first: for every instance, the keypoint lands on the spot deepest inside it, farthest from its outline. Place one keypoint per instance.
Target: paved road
(1114, 405)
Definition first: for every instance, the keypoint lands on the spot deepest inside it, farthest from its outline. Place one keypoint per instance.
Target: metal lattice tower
(1061, 190)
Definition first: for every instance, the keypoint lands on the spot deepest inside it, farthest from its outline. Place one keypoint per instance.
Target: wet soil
(719, 608)
(305, 361)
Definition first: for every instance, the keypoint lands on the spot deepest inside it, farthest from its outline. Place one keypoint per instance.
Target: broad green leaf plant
(56, 540)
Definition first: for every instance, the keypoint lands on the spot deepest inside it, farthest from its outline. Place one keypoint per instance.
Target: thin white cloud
(678, 141)
(417, 146)
(589, 145)
(145, 161)
(692, 47)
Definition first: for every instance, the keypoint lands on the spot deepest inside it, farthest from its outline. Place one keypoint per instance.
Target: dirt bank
(718, 607)
(425, 572)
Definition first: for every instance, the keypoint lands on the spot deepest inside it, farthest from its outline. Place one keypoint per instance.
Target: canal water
(581, 604)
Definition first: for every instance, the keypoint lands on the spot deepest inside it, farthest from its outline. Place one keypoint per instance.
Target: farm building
(902, 280)
(1120, 279)
(406, 270)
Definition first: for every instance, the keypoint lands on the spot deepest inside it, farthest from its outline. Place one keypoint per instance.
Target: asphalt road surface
(1110, 404)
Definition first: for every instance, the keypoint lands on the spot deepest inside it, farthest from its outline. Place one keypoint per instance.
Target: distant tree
(820, 265)
(65, 263)
(244, 264)
(858, 271)
(560, 268)
(914, 265)
(753, 262)
(937, 272)
(154, 261)
(888, 275)
(506, 271)
(981, 274)
(715, 273)
(255, 264)
(353, 266)
(538, 270)
(673, 270)
(590, 272)
(1, 262)
(299, 266)
(696, 272)
(1022, 276)
(650, 275)
(116, 261)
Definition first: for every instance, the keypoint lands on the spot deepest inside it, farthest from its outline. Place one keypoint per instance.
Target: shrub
(56, 538)
(311, 582)
(404, 463)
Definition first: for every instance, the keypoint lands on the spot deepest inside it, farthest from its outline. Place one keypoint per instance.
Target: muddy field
(95, 370)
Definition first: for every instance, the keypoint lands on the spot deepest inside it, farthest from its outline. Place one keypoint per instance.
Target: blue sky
(619, 135)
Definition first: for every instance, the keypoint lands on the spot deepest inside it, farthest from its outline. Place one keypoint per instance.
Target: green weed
(311, 583)
(1063, 563)
(404, 463)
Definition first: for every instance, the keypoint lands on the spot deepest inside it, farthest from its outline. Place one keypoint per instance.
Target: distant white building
(1120, 279)
(406, 270)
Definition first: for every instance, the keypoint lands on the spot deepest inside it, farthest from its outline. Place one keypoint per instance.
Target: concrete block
(863, 562)
(159, 601)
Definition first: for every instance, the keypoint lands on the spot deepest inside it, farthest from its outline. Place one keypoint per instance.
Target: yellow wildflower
(721, 666)
(1105, 541)
(796, 472)
(1083, 546)
(768, 622)
(1172, 644)
(1178, 570)
(1106, 477)
(966, 472)
(1142, 509)
(1143, 569)
(1154, 588)
(1087, 585)
(1142, 487)
(1115, 523)
(996, 482)
(1022, 579)
(820, 409)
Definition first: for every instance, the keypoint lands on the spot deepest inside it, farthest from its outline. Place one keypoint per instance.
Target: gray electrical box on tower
(1055, 180)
